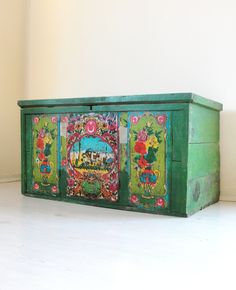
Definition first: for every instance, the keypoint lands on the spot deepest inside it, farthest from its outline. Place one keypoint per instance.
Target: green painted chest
(149, 153)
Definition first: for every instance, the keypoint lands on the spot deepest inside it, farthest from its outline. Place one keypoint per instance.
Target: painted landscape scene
(91, 153)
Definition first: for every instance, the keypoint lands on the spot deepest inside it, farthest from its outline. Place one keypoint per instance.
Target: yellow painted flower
(48, 139)
(152, 142)
(149, 124)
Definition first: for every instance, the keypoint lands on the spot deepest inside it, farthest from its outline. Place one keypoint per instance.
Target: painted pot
(148, 177)
(45, 167)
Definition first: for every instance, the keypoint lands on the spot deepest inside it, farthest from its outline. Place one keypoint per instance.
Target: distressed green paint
(202, 191)
(178, 189)
(118, 100)
(140, 107)
(180, 138)
(203, 125)
(192, 148)
(45, 154)
(203, 159)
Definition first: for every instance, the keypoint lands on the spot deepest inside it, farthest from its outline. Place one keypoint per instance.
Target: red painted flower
(36, 186)
(41, 156)
(64, 119)
(113, 176)
(70, 182)
(54, 119)
(113, 127)
(140, 147)
(142, 162)
(54, 188)
(91, 127)
(40, 143)
(134, 198)
(70, 127)
(36, 120)
(160, 202)
(64, 162)
(113, 187)
(161, 119)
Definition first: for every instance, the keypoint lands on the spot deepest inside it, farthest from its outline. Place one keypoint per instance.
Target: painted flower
(54, 119)
(140, 147)
(142, 162)
(114, 198)
(54, 188)
(78, 126)
(41, 133)
(142, 135)
(40, 143)
(113, 127)
(149, 124)
(91, 127)
(113, 187)
(152, 142)
(134, 198)
(113, 176)
(103, 126)
(160, 202)
(70, 182)
(36, 120)
(64, 119)
(161, 119)
(63, 162)
(134, 119)
(41, 156)
(48, 139)
(70, 127)
(36, 186)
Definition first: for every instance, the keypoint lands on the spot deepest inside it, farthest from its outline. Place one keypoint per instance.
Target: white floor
(55, 245)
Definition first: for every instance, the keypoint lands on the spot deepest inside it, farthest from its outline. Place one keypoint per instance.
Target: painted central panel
(92, 155)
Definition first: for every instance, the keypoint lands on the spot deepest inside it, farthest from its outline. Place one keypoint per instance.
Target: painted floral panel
(45, 154)
(91, 157)
(148, 163)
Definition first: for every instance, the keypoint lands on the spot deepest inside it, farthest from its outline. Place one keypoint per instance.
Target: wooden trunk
(148, 153)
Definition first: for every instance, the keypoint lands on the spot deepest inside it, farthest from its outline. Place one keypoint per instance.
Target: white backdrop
(115, 47)
(12, 41)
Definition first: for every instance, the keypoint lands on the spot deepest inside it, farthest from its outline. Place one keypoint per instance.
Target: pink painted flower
(142, 135)
(134, 119)
(114, 198)
(113, 187)
(36, 186)
(91, 127)
(64, 119)
(134, 198)
(54, 119)
(70, 181)
(160, 202)
(161, 119)
(113, 127)
(63, 162)
(54, 188)
(36, 120)
(70, 127)
(42, 133)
